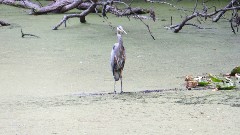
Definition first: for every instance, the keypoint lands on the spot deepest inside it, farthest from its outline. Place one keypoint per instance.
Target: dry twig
(23, 35)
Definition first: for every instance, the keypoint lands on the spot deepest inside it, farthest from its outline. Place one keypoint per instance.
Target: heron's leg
(114, 87)
(121, 80)
(121, 86)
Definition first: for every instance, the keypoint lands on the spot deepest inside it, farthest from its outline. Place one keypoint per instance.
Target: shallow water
(76, 59)
(43, 80)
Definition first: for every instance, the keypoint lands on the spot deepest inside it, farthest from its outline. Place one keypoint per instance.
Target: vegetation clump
(235, 70)
(220, 82)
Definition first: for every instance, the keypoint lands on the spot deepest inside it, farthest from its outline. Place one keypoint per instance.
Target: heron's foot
(115, 92)
(121, 92)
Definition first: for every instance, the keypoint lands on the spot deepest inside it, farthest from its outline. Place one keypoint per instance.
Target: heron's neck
(120, 41)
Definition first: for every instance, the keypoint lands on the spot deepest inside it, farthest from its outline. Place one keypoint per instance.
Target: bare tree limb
(204, 13)
(128, 7)
(59, 6)
(81, 16)
(195, 25)
(196, 4)
(21, 3)
(216, 18)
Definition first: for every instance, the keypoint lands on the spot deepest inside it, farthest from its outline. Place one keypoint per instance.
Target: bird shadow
(125, 93)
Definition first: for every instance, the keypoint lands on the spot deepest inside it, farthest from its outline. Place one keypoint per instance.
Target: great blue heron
(118, 57)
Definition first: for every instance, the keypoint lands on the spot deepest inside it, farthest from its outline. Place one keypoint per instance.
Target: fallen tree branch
(61, 6)
(204, 13)
(197, 26)
(230, 4)
(58, 6)
(81, 16)
(21, 3)
(106, 8)
(65, 18)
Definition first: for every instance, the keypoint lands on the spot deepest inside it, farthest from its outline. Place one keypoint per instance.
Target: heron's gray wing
(113, 61)
(124, 57)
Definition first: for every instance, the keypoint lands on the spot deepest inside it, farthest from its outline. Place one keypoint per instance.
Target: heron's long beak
(124, 31)
(121, 30)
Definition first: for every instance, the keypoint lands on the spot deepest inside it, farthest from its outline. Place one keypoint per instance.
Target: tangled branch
(136, 15)
(81, 16)
(218, 13)
(107, 7)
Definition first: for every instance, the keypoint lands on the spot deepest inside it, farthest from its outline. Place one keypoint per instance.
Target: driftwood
(21, 3)
(62, 6)
(59, 6)
(4, 23)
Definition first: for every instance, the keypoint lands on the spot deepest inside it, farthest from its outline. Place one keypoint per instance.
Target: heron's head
(120, 30)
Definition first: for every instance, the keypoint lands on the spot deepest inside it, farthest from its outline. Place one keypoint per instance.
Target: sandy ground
(60, 83)
(167, 112)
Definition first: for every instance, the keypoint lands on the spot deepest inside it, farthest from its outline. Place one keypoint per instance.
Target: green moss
(214, 79)
(202, 84)
(235, 70)
(225, 87)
